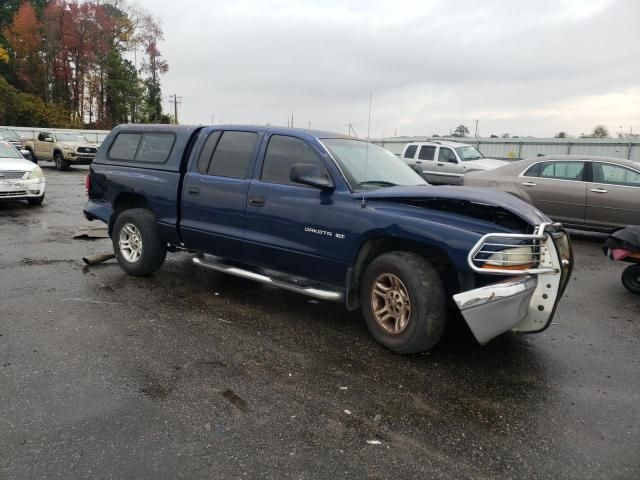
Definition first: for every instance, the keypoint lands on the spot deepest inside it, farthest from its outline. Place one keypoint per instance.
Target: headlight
(516, 258)
(67, 147)
(35, 173)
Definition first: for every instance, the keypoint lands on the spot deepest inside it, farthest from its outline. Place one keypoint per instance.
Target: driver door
(296, 228)
(448, 167)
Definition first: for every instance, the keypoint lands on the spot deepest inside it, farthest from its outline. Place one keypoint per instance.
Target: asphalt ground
(193, 374)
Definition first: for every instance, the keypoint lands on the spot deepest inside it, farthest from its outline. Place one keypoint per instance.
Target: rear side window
(533, 171)
(207, 151)
(282, 153)
(426, 153)
(562, 170)
(142, 147)
(410, 152)
(233, 154)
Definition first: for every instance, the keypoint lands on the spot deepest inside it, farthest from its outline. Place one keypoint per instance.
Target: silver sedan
(591, 193)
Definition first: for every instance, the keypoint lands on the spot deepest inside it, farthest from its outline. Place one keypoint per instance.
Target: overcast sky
(522, 67)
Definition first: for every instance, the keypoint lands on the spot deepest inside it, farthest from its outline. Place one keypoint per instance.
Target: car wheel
(36, 200)
(136, 242)
(61, 163)
(631, 278)
(404, 302)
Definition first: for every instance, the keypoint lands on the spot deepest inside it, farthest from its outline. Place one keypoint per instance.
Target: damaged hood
(476, 195)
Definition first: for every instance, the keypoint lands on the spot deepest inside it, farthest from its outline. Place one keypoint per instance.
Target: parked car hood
(477, 195)
(16, 164)
(485, 164)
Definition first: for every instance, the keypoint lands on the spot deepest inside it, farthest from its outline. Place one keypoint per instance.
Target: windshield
(71, 137)
(468, 153)
(8, 151)
(9, 135)
(384, 169)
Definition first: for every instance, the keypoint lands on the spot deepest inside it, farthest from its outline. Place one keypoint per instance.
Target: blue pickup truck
(331, 217)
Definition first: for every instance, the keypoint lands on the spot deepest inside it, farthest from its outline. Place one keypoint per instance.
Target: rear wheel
(404, 302)
(136, 242)
(631, 278)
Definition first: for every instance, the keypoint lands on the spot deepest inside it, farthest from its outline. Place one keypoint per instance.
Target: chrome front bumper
(525, 303)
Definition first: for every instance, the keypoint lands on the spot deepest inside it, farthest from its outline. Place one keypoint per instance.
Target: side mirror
(310, 174)
(48, 139)
(453, 160)
(25, 153)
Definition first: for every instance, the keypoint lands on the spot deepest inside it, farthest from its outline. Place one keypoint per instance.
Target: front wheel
(631, 278)
(404, 302)
(36, 200)
(136, 242)
(61, 163)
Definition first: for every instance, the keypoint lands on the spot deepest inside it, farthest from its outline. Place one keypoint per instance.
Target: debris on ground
(91, 233)
(99, 258)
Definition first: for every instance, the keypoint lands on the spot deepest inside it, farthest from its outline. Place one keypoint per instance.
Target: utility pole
(176, 100)
(476, 134)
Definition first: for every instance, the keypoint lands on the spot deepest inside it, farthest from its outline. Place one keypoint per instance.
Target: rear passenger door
(557, 188)
(214, 194)
(426, 163)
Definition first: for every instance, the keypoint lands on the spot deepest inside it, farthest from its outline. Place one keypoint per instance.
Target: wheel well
(126, 201)
(375, 247)
(57, 150)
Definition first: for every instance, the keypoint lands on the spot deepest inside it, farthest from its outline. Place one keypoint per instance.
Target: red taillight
(87, 184)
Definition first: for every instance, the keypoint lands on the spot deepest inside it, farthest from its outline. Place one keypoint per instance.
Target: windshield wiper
(382, 183)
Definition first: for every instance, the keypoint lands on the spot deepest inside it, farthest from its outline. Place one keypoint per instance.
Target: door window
(410, 152)
(615, 175)
(447, 155)
(562, 170)
(427, 153)
(207, 151)
(282, 153)
(233, 154)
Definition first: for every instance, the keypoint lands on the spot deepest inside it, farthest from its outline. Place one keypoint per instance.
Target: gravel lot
(192, 374)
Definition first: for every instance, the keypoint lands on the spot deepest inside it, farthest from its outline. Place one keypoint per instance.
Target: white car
(20, 179)
(446, 162)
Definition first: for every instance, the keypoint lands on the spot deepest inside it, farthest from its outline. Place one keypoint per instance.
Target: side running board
(293, 284)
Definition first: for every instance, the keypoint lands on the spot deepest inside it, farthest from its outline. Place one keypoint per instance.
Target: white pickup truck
(62, 148)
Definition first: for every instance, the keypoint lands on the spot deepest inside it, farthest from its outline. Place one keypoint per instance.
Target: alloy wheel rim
(390, 303)
(130, 243)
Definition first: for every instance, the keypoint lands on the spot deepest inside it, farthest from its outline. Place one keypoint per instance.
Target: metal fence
(518, 148)
(96, 136)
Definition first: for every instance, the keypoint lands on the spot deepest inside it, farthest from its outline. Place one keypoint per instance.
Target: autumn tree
(24, 38)
(154, 66)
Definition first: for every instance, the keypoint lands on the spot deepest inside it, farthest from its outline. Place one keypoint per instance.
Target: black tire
(631, 278)
(34, 201)
(153, 251)
(427, 318)
(61, 163)
(34, 159)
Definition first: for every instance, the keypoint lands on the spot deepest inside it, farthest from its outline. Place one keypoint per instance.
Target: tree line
(82, 64)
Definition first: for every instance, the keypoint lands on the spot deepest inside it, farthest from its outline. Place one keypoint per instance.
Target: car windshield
(468, 153)
(8, 151)
(383, 168)
(9, 135)
(71, 137)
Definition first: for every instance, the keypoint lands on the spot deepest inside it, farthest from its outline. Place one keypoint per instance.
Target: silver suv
(446, 162)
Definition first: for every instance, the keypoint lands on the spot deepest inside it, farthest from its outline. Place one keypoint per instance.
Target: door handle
(193, 190)
(528, 184)
(598, 190)
(440, 164)
(256, 201)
